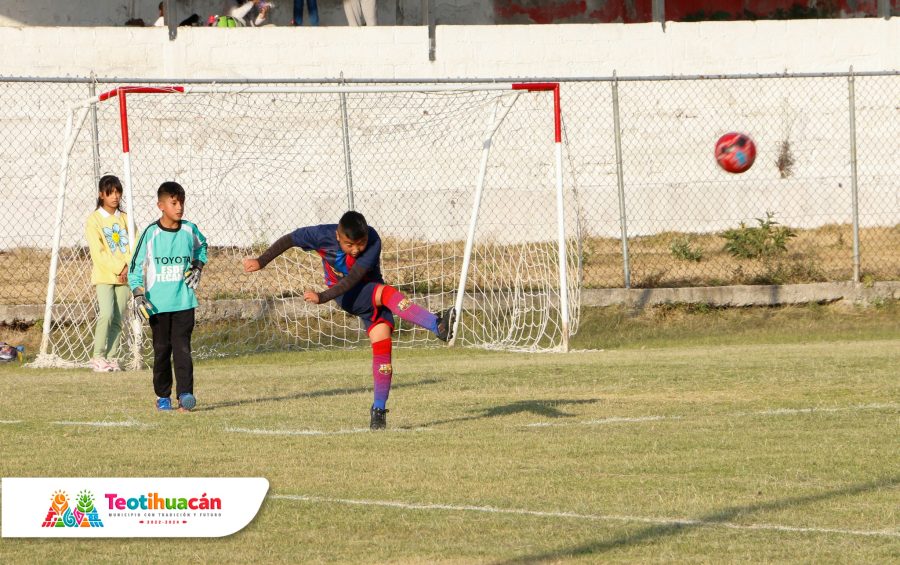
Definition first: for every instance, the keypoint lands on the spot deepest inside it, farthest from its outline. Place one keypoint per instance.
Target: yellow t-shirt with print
(107, 236)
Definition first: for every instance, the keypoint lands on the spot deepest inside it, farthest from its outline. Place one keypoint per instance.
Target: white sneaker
(113, 365)
(100, 365)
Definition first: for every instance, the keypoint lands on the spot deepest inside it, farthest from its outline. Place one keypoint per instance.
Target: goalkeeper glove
(142, 306)
(192, 275)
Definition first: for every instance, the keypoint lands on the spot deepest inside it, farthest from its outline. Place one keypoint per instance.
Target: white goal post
(463, 182)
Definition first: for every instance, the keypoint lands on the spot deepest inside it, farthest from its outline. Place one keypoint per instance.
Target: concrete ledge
(744, 295)
(718, 296)
(26, 314)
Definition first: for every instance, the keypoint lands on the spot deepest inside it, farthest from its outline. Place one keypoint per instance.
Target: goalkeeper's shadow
(306, 394)
(542, 408)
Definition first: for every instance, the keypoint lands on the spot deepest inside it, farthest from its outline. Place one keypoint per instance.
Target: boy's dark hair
(108, 184)
(170, 188)
(353, 225)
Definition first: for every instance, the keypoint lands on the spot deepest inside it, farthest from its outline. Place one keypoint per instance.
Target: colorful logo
(62, 515)
(404, 304)
(117, 238)
(386, 369)
(117, 507)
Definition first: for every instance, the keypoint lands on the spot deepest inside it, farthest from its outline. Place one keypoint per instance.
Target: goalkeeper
(163, 276)
(351, 258)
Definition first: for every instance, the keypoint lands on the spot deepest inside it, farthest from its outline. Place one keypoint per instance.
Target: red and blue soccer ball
(735, 152)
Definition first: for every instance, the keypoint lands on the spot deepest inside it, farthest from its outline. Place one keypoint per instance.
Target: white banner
(129, 508)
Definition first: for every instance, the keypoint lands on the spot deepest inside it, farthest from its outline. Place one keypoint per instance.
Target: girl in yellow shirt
(107, 236)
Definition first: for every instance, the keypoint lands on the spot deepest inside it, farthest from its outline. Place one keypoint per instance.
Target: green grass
(719, 452)
(687, 325)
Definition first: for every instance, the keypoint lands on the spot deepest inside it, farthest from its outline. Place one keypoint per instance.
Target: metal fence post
(854, 189)
(658, 11)
(95, 135)
(348, 164)
(428, 20)
(171, 19)
(620, 177)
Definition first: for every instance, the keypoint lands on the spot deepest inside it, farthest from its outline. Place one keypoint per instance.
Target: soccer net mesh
(257, 165)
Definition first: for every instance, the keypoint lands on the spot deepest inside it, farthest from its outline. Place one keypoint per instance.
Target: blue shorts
(360, 301)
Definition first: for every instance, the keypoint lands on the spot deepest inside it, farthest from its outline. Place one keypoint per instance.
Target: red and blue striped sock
(403, 308)
(382, 371)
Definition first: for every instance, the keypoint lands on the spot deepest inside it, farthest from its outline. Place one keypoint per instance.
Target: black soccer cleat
(378, 419)
(445, 324)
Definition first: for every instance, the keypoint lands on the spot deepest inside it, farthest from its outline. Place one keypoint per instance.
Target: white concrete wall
(462, 51)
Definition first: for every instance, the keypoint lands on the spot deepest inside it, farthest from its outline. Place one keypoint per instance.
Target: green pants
(112, 299)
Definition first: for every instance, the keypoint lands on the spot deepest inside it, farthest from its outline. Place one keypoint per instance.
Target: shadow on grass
(305, 394)
(545, 408)
(724, 516)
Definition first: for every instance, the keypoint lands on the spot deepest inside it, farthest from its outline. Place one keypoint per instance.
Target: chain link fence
(821, 203)
(672, 218)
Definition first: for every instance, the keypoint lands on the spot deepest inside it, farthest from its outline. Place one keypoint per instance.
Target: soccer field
(716, 442)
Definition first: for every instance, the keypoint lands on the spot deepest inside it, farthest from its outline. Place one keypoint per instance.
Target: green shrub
(767, 240)
(682, 248)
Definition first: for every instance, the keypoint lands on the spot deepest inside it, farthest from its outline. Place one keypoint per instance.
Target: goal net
(464, 184)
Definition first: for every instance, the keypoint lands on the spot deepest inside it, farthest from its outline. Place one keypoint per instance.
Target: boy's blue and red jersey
(322, 239)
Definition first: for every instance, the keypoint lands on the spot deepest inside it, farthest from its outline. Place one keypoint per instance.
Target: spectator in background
(107, 238)
(313, 9)
(192, 20)
(253, 13)
(360, 12)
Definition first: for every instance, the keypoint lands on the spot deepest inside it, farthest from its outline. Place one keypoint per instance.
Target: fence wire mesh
(789, 219)
(682, 213)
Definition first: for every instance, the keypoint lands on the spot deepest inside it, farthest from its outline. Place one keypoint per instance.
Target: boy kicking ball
(351, 258)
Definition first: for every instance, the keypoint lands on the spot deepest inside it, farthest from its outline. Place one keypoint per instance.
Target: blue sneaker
(187, 401)
(163, 404)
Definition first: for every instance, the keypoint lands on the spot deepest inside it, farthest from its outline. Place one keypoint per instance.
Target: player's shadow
(725, 516)
(542, 408)
(306, 394)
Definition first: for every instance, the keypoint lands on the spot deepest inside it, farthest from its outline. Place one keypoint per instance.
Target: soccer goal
(464, 183)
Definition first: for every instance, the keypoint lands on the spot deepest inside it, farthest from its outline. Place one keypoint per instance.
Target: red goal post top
(122, 91)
